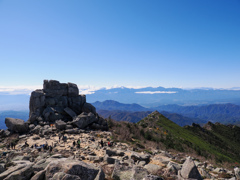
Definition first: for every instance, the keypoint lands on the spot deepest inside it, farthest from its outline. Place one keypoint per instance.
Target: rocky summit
(58, 104)
(65, 139)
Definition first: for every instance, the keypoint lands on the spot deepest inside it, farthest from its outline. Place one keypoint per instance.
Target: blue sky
(173, 43)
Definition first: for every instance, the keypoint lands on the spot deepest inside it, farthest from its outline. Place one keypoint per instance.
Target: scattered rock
(108, 169)
(21, 158)
(24, 173)
(11, 170)
(152, 177)
(153, 168)
(2, 167)
(16, 125)
(31, 126)
(122, 171)
(189, 170)
(36, 130)
(61, 125)
(237, 172)
(110, 160)
(171, 170)
(138, 173)
(39, 176)
(204, 173)
(6, 133)
(72, 131)
(140, 157)
(87, 107)
(84, 119)
(78, 168)
(40, 165)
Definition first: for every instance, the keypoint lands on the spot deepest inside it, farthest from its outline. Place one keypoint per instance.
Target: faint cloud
(15, 90)
(88, 89)
(156, 92)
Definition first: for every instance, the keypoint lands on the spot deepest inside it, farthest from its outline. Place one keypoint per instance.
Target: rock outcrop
(55, 101)
(59, 103)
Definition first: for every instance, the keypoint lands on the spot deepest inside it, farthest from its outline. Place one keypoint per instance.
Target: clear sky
(169, 43)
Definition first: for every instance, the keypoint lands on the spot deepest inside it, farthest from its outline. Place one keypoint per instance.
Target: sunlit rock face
(61, 101)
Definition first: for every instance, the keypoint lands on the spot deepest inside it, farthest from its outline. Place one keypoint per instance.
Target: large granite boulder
(4, 133)
(73, 168)
(61, 125)
(189, 170)
(16, 125)
(87, 107)
(153, 168)
(138, 173)
(39, 176)
(172, 169)
(37, 103)
(70, 112)
(113, 152)
(140, 157)
(126, 172)
(53, 88)
(72, 90)
(2, 167)
(14, 169)
(36, 130)
(122, 171)
(84, 119)
(64, 176)
(152, 177)
(24, 173)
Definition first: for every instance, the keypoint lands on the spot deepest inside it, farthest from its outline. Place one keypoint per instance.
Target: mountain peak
(208, 126)
(156, 113)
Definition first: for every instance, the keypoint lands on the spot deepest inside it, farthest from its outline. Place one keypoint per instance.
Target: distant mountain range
(224, 113)
(196, 105)
(124, 115)
(181, 115)
(150, 97)
(147, 97)
(137, 116)
(114, 105)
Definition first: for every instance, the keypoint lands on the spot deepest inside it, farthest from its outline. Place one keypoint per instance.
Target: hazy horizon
(21, 90)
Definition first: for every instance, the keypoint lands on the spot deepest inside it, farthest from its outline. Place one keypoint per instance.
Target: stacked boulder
(60, 104)
(55, 101)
